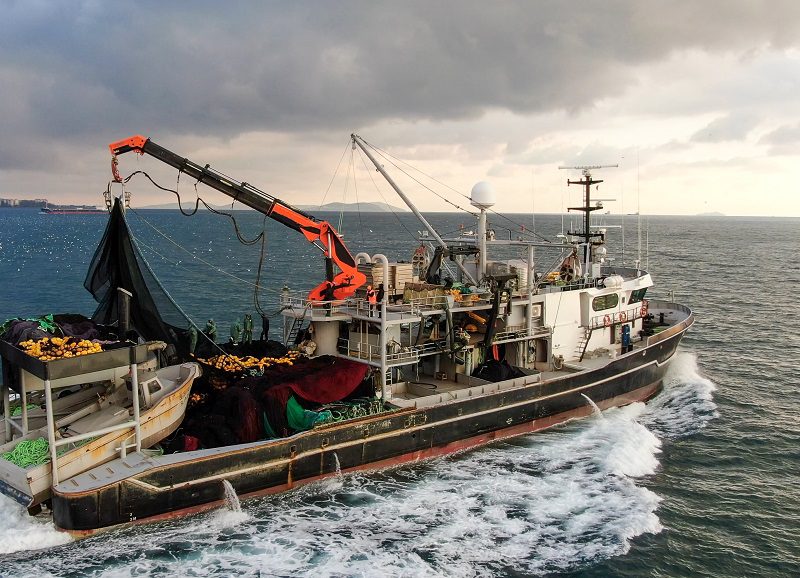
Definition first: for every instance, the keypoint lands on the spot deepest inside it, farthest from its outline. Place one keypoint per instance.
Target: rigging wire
(355, 190)
(344, 199)
(211, 265)
(387, 156)
(178, 307)
(399, 220)
(336, 172)
(420, 183)
(256, 285)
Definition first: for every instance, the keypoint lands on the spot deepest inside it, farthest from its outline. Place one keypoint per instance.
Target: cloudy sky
(698, 102)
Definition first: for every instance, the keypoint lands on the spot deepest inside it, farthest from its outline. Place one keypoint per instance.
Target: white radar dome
(483, 195)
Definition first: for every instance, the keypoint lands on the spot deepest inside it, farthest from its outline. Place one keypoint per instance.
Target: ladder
(294, 329)
(583, 343)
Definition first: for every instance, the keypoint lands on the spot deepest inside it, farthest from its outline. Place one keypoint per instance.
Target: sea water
(701, 481)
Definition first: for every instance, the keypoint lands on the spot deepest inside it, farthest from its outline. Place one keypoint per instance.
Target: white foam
(686, 405)
(541, 503)
(225, 518)
(19, 531)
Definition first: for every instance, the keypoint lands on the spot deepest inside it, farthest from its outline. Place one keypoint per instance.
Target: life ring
(623, 317)
(644, 308)
(607, 320)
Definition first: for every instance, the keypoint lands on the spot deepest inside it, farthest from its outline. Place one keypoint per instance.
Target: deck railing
(396, 354)
(609, 318)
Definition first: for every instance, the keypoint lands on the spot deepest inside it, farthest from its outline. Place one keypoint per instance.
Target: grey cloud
(784, 140)
(78, 75)
(223, 69)
(727, 128)
(785, 135)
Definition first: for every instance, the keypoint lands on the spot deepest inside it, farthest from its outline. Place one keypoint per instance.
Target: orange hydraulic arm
(321, 233)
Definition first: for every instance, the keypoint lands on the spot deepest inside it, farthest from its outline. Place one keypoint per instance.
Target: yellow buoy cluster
(235, 364)
(50, 348)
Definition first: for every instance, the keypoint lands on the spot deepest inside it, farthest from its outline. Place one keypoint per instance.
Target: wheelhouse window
(605, 302)
(637, 296)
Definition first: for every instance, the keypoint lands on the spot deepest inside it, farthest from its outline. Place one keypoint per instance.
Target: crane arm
(336, 286)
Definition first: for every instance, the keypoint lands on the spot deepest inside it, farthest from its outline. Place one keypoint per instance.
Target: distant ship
(79, 210)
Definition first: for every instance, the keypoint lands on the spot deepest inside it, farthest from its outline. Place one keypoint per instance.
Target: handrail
(615, 317)
(96, 433)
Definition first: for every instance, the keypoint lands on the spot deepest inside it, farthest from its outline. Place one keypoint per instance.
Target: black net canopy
(117, 263)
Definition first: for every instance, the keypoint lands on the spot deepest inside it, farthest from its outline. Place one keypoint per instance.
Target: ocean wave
(686, 404)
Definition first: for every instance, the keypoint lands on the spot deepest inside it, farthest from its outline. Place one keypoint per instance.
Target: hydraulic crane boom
(322, 233)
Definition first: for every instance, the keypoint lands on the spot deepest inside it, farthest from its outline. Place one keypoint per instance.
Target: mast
(587, 181)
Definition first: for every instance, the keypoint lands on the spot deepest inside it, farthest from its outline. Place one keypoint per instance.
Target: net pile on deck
(288, 397)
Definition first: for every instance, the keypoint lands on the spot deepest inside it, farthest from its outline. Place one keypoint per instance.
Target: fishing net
(117, 263)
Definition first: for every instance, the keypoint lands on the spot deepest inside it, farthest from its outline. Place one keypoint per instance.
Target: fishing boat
(458, 350)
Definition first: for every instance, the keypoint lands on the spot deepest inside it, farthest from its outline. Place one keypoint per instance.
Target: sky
(696, 102)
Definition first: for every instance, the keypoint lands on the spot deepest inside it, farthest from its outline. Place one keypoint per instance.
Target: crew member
(264, 328)
(372, 299)
(211, 330)
(247, 330)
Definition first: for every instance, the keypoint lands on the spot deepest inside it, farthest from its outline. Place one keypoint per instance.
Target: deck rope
(17, 409)
(31, 453)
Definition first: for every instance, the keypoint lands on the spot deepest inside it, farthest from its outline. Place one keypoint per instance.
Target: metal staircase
(583, 343)
(296, 326)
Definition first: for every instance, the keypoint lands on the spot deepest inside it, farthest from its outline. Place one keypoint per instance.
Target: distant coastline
(22, 203)
(43, 204)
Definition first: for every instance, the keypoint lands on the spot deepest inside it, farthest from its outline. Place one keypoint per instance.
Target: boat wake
(552, 501)
(687, 403)
(21, 532)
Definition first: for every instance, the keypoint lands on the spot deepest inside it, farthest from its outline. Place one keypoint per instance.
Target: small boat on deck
(100, 419)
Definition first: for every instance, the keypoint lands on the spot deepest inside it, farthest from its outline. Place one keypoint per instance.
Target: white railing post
(136, 414)
(51, 428)
(23, 386)
(7, 413)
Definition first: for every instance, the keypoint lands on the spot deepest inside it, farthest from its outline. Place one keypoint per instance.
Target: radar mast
(587, 181)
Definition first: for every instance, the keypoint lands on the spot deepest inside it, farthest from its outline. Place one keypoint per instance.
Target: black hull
(195, 484)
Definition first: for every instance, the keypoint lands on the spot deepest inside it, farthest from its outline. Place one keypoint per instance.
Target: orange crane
(320, 233)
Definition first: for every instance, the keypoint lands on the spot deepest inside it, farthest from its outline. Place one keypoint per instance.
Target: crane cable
(244, 241)
(197, 202)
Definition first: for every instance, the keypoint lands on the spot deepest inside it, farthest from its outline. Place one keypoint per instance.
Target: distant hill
(712, 214)
(353, 208)
(328, 207)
